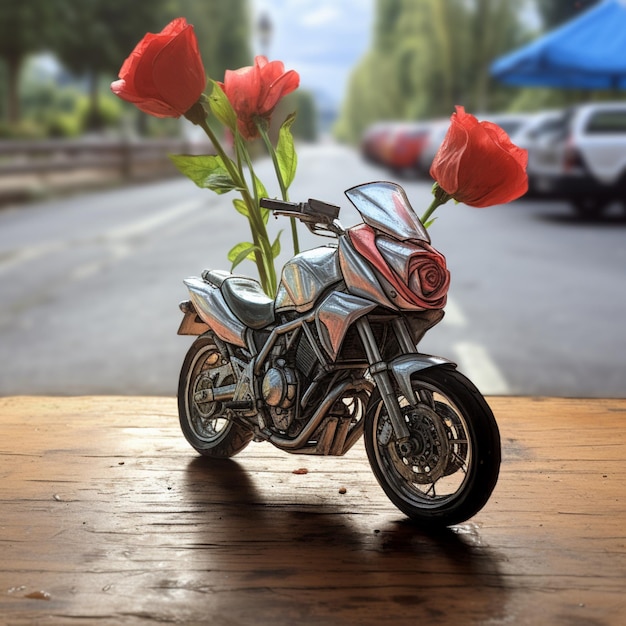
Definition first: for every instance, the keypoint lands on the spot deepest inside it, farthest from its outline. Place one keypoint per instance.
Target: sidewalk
(28, 187)
(109, 516)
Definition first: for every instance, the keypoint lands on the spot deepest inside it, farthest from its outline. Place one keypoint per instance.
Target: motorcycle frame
(358, 291)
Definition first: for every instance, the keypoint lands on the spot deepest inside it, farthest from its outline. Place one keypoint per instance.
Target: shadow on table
(321, 562)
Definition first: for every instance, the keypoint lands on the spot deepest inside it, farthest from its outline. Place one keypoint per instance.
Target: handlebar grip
(324, 209)
(280, 205)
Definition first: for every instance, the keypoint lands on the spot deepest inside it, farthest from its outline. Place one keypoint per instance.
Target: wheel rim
(433, 469)
(207, 370)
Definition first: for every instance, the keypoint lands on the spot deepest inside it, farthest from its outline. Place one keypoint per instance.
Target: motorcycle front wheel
(446, 471)
(203, 423)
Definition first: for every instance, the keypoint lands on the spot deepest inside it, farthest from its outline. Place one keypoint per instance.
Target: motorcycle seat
(248, 301)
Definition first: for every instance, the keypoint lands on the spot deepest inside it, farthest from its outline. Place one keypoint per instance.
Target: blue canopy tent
(588, 52)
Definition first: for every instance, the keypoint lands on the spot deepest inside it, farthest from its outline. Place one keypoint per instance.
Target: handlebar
(319, 217)
(314, 211)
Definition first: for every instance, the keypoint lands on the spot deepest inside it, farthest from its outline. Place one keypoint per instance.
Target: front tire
(450, 466)
(204, 424)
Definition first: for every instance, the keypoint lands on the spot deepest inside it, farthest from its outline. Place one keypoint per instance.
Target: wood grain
(108, 516)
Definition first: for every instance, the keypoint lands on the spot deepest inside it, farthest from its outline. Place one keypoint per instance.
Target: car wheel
(589, 205)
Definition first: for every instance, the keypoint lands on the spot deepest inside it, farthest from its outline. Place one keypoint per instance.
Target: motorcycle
(334, 357)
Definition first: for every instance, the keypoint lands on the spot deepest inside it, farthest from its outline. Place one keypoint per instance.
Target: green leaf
(286, 152)
(430, 222)
(206, 171)
(241, 252)
(221, 107)
(276, 245)
(241, 207)
(260, 188)
(261, 192)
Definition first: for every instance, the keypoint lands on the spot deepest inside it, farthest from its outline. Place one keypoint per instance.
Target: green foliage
(24, 129)
(427, 56)
(221, 107)
(25, 28)
(206, 171)
(52, 110)
(276, 244)
(305, 125)
(286, 152)
(241, 252)
(93, 37)
(555, 12)
(223, 31)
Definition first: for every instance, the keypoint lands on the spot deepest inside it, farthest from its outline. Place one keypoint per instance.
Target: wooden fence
(29, 168)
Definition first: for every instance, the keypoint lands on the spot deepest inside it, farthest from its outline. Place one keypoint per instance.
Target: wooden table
(108, 516)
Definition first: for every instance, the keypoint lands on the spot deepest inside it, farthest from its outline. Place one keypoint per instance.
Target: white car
(530, 137)
(583, 158)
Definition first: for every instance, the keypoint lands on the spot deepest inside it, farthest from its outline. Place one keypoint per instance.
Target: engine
(279, 390)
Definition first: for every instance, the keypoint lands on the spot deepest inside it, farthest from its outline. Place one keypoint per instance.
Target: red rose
(422, 281)
(429, 278)
(254, 92)
(163, 75)
(478, 164)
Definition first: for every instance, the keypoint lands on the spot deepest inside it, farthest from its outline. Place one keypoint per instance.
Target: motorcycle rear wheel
(203, 424)
(451, 465)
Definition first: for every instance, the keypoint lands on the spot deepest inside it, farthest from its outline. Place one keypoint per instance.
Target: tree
(555, 12)
(427, 56)
(494, 27)
(223, 30)
(305, 126)
(25, 27)
(95, 36)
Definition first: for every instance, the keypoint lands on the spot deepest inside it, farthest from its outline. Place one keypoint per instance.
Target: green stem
(281, 183)
(258, 219)
(441, 197)
(267, 282)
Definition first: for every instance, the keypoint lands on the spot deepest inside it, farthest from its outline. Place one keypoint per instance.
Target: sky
(324, 39)
(321, 39)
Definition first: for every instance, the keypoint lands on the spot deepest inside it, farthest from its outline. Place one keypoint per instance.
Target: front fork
(401, 368)
(379, 370)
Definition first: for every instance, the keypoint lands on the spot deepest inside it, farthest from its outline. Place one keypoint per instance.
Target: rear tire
(452, 467)
(203, 423)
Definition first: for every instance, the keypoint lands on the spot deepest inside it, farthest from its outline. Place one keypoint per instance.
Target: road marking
(454, 316)
(29, 253)
(134, 229)
(117, 252)
(476, 364)
(154, 221)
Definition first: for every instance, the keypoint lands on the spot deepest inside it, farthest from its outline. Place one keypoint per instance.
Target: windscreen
(385, 207)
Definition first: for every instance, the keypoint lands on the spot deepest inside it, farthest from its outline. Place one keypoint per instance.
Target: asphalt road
(90, 285)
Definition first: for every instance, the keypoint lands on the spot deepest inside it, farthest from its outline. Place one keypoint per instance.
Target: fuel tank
(305, 277)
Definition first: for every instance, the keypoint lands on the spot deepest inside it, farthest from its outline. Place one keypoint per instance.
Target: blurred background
(97, 230)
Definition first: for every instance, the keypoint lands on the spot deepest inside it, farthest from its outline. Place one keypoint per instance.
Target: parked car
(377, 139)
(404, 146)
(583, 158)
(373, 140)
(530, 135)
(397, 145)
(437, 130)
(511, 123)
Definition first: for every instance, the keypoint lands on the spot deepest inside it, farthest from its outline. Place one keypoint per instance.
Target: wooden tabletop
(108, 516)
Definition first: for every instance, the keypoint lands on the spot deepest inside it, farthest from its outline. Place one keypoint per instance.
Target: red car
(404, 147)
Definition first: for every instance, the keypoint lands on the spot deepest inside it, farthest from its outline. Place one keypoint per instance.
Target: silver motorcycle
(334, 356)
